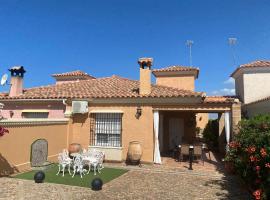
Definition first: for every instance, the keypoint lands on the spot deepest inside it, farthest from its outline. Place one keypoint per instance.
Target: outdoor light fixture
(11, 113)
(139, 112)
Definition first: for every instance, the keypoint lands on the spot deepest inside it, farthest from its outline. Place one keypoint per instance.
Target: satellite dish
(4, 79)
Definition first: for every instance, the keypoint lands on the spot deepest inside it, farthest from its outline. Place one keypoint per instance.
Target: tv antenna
(189, 44)
(4, 80)
(232, 44)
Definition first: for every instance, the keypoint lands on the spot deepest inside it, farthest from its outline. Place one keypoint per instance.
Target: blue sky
(107, 37)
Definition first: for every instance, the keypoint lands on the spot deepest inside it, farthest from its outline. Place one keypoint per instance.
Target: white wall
(256, 86)
(258, 108)
(239, 87)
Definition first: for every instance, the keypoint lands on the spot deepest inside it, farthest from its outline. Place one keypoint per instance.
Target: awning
(35, 111)
(106, 111)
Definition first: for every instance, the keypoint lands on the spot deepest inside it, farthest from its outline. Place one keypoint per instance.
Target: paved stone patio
(138, 183)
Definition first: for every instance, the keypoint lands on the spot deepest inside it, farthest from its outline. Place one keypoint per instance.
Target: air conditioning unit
(80, 107)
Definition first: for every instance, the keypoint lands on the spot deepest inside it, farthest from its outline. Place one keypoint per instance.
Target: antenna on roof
(232, 43)
(4, 80)
(189, 44)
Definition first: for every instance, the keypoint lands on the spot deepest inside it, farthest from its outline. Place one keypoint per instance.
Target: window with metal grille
(106, 129)
(35, 115)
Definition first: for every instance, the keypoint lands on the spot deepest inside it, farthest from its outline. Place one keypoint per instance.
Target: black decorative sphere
(39, 177)
(96, 184)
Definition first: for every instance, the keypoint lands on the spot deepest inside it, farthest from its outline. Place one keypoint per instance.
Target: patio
(148, 182)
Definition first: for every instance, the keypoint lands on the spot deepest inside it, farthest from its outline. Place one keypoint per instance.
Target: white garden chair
(94, 158)
(78, 166)
(64, 161)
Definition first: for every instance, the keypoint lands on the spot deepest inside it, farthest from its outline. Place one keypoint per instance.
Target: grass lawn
(106, 175)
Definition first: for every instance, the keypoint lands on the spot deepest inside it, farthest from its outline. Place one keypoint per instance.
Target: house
(252, 81)
(110, 112)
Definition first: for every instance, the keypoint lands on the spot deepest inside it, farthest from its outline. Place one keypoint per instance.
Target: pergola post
(221, 138)
(235, 117)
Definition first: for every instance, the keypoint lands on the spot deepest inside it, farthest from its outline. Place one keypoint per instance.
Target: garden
(106, 175)
(249, 155)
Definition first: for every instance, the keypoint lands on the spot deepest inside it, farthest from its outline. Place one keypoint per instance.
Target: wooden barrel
(74, 148)
(134, 152)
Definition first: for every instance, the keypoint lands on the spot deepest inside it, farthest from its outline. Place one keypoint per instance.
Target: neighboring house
(110, 112)
(252, 85)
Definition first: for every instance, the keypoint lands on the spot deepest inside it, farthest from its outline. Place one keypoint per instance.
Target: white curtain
(157, 158)
(227, 128)
(160, 132)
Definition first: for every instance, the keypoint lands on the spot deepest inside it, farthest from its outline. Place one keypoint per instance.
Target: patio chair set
(91, 158)
(197, 149)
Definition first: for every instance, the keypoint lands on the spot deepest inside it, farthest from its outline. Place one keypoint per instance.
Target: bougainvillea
(3, 131)
(250, 154)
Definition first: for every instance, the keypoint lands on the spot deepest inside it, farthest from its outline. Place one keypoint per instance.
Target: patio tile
(148, 182)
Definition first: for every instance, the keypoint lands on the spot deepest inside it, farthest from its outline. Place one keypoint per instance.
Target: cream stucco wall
(252, 86)
(239, 87)
(181, 82)
(257, 108)
(256, 86)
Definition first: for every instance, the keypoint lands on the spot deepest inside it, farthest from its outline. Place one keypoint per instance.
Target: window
(106, 129)
(35, 114)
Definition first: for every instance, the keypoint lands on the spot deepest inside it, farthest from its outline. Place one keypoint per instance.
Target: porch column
(157, 158)
(227, 128)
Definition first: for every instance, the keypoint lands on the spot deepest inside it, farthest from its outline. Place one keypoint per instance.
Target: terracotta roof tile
(258, 101)
(111, 87)
(177, 68)
(72, 73)
(258, 63)
(219, 99)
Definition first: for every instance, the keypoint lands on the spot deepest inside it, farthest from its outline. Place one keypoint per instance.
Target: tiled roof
(111, 87)
(176, 68)
(258, 63)
(219, 99)
(73, 73)
(258, 101)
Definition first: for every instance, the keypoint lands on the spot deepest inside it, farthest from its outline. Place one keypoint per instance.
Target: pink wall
(56, 110)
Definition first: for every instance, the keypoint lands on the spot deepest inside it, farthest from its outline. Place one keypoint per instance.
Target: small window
(35, 115)
(106, 129)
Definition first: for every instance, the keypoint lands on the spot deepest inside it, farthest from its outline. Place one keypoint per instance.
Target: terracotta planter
(74, 148)
(229, 167)
(134, 152)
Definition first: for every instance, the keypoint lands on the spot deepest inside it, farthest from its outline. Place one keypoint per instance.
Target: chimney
(145, 75)
(16, 82)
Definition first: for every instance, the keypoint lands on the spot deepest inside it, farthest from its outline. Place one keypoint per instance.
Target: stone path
(136, 184)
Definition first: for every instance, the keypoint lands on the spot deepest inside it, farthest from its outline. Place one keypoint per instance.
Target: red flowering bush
(3, 131)
(250, 154)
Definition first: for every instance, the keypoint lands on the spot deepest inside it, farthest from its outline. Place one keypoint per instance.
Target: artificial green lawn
(106, 175)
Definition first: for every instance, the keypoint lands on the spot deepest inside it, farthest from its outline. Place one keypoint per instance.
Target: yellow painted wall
(132, 129)
(15, 147)
(180, 82)
(202, 120)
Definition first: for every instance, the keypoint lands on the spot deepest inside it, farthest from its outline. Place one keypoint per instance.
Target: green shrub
(210, 133)
(250, 153)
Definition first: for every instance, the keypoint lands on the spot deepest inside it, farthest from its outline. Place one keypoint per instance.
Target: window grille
(106, 129)
(35, 114)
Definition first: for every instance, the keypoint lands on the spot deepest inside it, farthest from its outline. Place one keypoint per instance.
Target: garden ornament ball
(39, 177)
(96, 184)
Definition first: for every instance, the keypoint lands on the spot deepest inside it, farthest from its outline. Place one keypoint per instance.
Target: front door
(176, 132)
